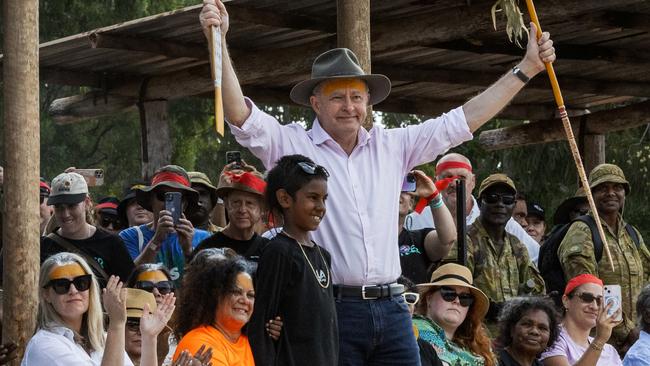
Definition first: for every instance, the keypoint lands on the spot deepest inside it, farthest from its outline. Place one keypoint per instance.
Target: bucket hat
(608, 173)
(203, 179)
(340, 63)
(172, 176)
(495, 179)
(250, 181)
(127, 198)
(561, 215)
(452, 274)
(68, 188)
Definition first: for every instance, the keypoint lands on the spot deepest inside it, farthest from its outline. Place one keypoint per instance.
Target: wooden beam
(274, 19)
(593, 150)
(80, 107)
(552, 130)
(165, 48)
(156, 141)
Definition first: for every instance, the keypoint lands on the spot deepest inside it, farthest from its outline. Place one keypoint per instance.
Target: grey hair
(643, 309)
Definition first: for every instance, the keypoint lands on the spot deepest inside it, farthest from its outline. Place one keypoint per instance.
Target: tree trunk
(593, 151)
(21, 250)
(156, 140)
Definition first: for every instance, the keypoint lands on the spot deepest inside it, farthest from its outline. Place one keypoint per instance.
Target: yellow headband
(71, 270)
(331, 86)
(153, 276)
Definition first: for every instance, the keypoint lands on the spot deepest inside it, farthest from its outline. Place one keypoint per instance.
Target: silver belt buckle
(363, 293)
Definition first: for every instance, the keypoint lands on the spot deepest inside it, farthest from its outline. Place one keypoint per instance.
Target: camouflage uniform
(631, 264)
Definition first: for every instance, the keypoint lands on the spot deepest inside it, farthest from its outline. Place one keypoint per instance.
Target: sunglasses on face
(107, 221)
(492, 198)
(588, 298)
(449, 295)
(43, 198)
(164, 287)
(62, 285)
(411, 298)
(133, 325)
(312, 169)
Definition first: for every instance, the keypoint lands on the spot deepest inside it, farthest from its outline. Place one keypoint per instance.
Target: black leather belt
(368, 292)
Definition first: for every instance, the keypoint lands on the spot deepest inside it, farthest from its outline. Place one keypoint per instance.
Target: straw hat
(452, 274)
(135, 300)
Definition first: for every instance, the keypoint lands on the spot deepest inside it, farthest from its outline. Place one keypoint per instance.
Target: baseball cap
(535, 209)
(68, 188)
(496, 179)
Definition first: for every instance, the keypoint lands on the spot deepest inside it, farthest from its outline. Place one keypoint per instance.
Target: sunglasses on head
(133, 324)
(492, 198)
(312, 169)
(411, 298)
(62, 285)
(164, 287)
(588, 298)
(449, 294)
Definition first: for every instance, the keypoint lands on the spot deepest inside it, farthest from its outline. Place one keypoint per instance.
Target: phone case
(173, 205)
(613, 295)
(93, 177)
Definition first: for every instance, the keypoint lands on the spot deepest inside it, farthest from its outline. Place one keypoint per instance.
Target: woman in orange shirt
(215, 304)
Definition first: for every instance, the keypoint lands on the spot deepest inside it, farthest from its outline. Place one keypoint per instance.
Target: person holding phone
(163, 240)
(585, 309)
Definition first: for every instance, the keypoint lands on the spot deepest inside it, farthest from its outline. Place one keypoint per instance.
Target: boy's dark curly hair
(515, 309)
(210, 276)
(290, 176)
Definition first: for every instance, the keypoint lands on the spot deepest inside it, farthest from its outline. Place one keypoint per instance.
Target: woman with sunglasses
(584, 310)
(450, 315)
(70, 324)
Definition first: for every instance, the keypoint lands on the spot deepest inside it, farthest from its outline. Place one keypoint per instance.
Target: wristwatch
(520, 74)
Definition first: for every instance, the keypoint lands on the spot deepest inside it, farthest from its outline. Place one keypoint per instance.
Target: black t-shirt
(106, 249)
(506, 360)
(251, 249)
(287, 287)
(428, 355)
(412, 256)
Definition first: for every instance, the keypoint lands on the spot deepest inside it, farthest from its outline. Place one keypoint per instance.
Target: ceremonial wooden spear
(569, 133)
(215, 58)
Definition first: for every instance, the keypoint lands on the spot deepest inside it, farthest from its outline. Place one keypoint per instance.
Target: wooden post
(353, 32)
(156, 140)
(594, 151)
(22, 153)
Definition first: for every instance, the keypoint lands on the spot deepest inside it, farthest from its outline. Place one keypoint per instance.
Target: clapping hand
(114, 298)
(201, 358)
(152, 324)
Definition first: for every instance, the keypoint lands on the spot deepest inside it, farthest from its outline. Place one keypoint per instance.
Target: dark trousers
(376, 332)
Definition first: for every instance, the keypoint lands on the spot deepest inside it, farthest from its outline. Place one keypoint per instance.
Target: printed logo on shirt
(406, 250)
(321, 277)
(100, 261)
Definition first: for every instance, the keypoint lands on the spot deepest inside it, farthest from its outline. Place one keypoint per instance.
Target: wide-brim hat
(127, 198)
(135, 300)
(340, 63)
(172, 176)
(608, 173)
(250, 181)
(452, 274)
(496, 179)
(561, 215)
(203, 179)
(68, 188)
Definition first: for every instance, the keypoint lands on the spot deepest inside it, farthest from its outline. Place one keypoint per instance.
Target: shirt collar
(62, 331)
(319, 135)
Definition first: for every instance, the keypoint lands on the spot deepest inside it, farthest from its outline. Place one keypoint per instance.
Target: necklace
(318, 278)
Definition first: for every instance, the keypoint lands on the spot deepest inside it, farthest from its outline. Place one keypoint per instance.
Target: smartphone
(93, 177)
(234, 156)
(408, 185)
(613, 296)
(173, 205)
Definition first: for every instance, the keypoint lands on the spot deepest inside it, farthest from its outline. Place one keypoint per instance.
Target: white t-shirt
(565, 346)
(56, 347)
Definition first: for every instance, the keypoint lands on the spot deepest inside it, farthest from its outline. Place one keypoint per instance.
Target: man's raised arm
(486, 105)
(235, 108)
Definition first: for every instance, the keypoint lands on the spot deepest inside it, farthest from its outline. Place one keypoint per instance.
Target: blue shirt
(639, 353)
(170, 254)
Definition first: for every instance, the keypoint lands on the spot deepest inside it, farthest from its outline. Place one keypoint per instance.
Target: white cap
(68, 188)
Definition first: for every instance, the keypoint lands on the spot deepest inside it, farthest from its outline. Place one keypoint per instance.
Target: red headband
(581, 280)
(170, 177)
(249, 180)
(441, 167)
(106, 205)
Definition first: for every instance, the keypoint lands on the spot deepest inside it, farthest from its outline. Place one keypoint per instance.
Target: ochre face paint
(333, 85)
(153, 276)
(71, 270)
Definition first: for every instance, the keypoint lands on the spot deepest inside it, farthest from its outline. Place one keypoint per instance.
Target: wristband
(424, 201)
(520, 74)
(597, 346)
(436, 204)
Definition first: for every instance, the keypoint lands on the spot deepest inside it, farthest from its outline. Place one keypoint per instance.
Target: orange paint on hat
(71, 270)
(153, 276)
(333, 85)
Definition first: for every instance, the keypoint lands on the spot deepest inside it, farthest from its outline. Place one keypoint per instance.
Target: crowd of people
(342, 252)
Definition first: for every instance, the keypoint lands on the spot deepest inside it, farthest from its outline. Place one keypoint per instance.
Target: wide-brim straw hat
(172, 176)
(135, 300)
(340, 63)
(452, 274)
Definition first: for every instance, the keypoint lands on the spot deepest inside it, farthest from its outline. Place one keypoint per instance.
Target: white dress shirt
(415, 221)
(55, 346)
(359, 228)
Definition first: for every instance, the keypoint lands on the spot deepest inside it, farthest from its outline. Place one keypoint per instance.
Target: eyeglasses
(588, 298)
(133, 325)
(449, 295)
(492, 198)
(411, 298)
(312, 169)
(108, 220)
(62, 285)
(164, 287)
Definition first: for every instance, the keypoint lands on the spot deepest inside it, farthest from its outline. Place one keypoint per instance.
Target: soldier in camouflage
(498, 260)
(631, 263)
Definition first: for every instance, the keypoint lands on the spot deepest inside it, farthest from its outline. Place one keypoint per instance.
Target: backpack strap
(73, 249)
(633, 234)
(595, 236)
